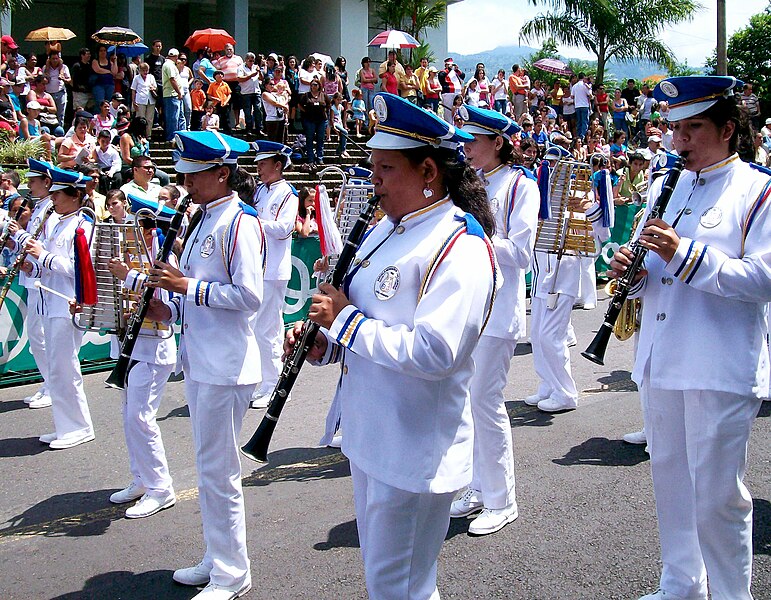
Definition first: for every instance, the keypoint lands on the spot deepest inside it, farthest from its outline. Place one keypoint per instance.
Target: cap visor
(264, 155)
(678, 113)
(388, 141)
(184, 166)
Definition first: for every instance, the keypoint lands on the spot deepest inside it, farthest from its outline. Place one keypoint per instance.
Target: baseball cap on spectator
(117, 96)
(172, 52)
(34, 105)
(20, 80)
(81, 113)
(8, 41)
(654, 138)
(433, 69)
(448, 61)
(274, 56)
(4, 82)
(768, 121)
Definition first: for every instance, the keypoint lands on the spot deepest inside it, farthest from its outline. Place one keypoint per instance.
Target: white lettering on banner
(14, 338)
(301, 296)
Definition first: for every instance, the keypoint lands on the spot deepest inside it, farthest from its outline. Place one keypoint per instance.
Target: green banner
(303, 284)
(619, 235)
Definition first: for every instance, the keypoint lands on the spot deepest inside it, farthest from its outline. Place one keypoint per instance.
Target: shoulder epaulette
(527, 172)
(761, 168)
(248, 209)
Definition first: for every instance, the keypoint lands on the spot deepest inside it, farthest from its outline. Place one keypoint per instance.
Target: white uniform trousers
(400, 535)
(587, 284)
(269, 331)
(147, 456)
(36, 336)
(551, 357)
(493, 448)
(65, 382)
(216, 412)
(698, 445)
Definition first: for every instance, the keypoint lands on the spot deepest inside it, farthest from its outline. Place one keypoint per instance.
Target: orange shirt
(219, 92)
(198, 99)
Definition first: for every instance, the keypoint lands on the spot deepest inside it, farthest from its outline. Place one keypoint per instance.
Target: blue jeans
(314, 131)
(174, 118)
(582, 121)
(620, 124)
(252, 111)
(500, 105)
(342, 135)
(61, 104)
(102, 92)
(368, 95)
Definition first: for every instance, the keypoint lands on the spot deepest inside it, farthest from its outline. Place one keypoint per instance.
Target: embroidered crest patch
(208, 246)
(387, 283)
(711, 217)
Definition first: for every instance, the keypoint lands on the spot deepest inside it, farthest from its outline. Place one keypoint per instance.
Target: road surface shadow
(344, 535)
(459, 527)
(605, 453)
(150, 585)
(15, 447)
(12, 405)
(297, 464)
(180, 411)
(72, 514)
(765, 409)
(523, 349)
(761, 526)
(522, 415)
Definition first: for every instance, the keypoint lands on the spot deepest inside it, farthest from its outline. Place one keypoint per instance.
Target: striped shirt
(229, 66)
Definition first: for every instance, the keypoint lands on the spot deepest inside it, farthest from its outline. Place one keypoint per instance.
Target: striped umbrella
(393, 38)
(116, 36)
(552, 65)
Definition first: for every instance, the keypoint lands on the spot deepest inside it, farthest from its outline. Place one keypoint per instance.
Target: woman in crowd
(30, 128)
(133, 143)
(78, 149)
(105, 70)
(48, 109)
(275, 112)
(102, 120)
(389, 82)
(367, 78)
(342, 72)
(305, 224)
(143, 95)
(433, 91)
(483, 85)
(315, 106)
(292, 77)
(620, 108)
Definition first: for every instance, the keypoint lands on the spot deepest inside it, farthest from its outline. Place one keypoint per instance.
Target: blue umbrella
(130, 50)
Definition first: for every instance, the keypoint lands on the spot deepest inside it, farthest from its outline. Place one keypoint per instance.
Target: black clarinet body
(257, 446)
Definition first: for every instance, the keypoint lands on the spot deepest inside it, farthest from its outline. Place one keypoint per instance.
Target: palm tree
(624, 31)
(412, 16)
(12, 5)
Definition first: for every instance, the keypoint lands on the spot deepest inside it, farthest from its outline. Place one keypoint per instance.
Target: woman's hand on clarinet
(659, 237)
(34, 248)
(620, 263)
(26, 267)
(158, 311)
(327, 305)
(163, 275)
(318, 349)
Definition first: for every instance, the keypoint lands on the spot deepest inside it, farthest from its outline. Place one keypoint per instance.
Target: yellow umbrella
(50, 34)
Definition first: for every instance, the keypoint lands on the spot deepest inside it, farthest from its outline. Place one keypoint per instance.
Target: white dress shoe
(533, 400)
(149, 505)
(636, 437)
(194, 576)
(132, 492)
(34, 396)
(260, 401)
(71, 441)
(42, 401)
(220, 592)
(662, 595)
(555, 405)
(491, 520)
(47, 438)
(469, 502)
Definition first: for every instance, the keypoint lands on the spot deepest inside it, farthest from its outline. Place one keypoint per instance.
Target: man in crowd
(399, 67)
(172, 97)
(518, 92)
(58, 74)
(80, 74)
(582, 99)
(142, 185)
(752, 103)
(630, 93)
(229, 64)
(451, 80)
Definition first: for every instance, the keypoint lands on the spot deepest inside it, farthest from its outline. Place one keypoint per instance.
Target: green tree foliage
(414, 17)
(749, 57)
(623, 31)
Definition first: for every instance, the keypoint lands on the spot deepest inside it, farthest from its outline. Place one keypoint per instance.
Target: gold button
(400, 229)
(345, 369)
(356, 262)
(364, 264)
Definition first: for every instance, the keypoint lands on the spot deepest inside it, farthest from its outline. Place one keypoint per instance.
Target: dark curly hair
(731, 109)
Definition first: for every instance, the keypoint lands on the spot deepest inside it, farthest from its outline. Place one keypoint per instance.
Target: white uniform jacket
(56, 264)
(514, 200)
(420, 292)
(703, 320)
(276, 205)
(223, 261)
(568, 276)
(20, 237)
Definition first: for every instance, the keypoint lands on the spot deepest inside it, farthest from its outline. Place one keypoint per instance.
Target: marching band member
(276, 203)
(39, 182)
(154, 360)
(706, 283)
(553, 295)
(514, 200)
(56, 268)
(405, 324)
(217, 293)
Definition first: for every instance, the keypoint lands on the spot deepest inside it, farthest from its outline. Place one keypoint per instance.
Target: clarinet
(119, 374)
(7, 234)
(257, 446)
(595, 352)
(22, 256)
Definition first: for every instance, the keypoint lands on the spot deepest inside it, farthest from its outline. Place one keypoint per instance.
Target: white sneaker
(42, 401)
(194, 576)
(34, 396)
(132, 492)
(337, 442)
(71, 441)
(468, 503)
(491, 520)
(636, 437)
(533, 400)
(662, 595)
(220, 592)
(149, 505)
(47, 438)
(555, 405)
(261, 398)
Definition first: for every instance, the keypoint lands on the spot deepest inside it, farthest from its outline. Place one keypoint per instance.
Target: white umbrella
(393, 38)
(324, 58)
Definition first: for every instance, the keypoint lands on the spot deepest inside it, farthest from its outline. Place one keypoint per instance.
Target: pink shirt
(229, 66)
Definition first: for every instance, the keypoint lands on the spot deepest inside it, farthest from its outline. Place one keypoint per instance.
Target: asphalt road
(587, 526)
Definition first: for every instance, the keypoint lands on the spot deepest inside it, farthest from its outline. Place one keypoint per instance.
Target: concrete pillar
(5, 23)
(234, 18)
(354, 32)
(131, 14)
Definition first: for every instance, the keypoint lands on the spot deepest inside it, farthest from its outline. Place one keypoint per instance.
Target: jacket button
(687, 211)
(702, 182)
(669, 280)
(664, 280)
(345, 369)
(185, 325)
(400, 229)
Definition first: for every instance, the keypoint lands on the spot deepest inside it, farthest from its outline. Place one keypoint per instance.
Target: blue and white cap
(161, 211)
(358, 172)
(38, 168)
(402, 125)
(691, 96)
(200, 150)
(266, 149)
(63, 178)
(482, 121)
(556, 152)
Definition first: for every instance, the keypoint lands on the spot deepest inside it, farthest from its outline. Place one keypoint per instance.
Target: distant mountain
(503, 57)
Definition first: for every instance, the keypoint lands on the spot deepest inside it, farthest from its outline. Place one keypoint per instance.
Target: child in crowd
(359, 110)
(210, 121)
(457, 102)
(338, 110)
(198, 102)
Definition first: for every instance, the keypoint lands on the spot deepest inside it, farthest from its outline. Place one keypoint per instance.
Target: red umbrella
(552, 65)
(213, 39)
(393, 38)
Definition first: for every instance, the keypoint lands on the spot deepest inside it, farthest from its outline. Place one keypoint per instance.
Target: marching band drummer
(407, 320)
(217, 293)
(706, 283)
(56, 268)
(276, 204)
(514, 200)
(153, 360)
(553, 295)
(39, 182)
